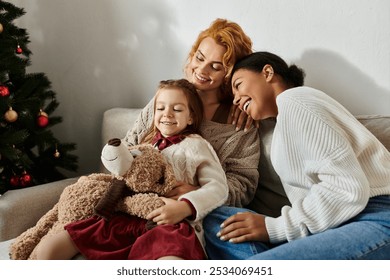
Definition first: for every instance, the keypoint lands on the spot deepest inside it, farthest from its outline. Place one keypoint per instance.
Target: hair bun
(296, 75)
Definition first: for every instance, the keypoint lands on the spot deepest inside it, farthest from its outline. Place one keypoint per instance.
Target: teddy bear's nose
(114, 142)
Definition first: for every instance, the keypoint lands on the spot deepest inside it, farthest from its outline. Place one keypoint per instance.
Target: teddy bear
(139, 176)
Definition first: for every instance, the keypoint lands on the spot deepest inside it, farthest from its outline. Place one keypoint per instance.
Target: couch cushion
(379, 126)
(4, 249)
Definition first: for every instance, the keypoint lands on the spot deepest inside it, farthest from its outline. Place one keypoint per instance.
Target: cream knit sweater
(328, 162)
(238, 152)
(194, 161)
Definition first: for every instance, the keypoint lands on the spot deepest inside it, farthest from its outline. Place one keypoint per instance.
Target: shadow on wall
(98, 55)
(347, 84)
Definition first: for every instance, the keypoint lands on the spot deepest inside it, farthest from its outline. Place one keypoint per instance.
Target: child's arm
(172, 212)
(142, 124)
(213, 191)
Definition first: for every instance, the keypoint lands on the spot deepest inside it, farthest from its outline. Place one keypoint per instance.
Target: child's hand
(172, 212)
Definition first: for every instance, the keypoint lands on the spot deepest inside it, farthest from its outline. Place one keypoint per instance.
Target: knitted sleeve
(202, 161)
(141, 126)
(239, 154)
(241, 168)
(339, 192)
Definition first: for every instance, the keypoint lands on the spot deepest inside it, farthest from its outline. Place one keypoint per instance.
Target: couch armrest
(21, 209)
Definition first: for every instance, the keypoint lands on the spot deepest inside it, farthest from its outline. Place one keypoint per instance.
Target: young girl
(335, 173)
(178, 234)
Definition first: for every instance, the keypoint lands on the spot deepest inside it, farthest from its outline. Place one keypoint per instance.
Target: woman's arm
(141, 126)
(241, 167)
(213, 190)
(239, 154)
(339, 190)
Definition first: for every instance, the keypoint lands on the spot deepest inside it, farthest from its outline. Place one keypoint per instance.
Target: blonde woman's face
(205, 69)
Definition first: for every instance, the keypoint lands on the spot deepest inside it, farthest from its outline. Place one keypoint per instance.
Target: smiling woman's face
(253, 94)
(206, 70)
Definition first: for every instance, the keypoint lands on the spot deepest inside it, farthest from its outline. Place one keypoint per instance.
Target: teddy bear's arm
(101, 177)
(140, 204)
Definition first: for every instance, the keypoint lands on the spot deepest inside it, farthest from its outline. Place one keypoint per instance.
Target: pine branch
(13, 137)
(10, 12)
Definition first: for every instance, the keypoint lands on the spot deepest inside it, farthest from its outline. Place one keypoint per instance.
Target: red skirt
(126, 237)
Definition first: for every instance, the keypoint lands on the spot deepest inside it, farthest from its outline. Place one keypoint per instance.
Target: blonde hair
(230, 35)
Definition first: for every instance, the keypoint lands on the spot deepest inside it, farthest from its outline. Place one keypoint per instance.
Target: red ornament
(25, 179)
(14, 181)
(43, 119)
(4, 91)
(19, 50)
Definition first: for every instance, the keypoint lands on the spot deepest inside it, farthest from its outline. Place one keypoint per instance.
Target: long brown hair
(195, 106)
(238, 45)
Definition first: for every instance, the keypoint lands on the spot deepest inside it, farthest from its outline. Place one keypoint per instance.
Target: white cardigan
(195, 162)
(328, 162)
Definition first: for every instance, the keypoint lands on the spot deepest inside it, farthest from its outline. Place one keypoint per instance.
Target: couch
(21, 209)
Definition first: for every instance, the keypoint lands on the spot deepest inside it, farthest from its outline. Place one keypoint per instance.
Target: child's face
(172, 114)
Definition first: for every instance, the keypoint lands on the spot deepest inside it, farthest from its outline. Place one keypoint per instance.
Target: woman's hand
(243, 227)
(240, 118)
(180, 189)
(172, 212)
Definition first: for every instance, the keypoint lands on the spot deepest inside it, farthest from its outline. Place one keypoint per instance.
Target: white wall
(100, 54)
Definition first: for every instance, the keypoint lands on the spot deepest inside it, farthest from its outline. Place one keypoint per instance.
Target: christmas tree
(29, 152)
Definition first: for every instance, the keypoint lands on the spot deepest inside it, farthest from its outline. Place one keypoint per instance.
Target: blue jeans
(364, 237)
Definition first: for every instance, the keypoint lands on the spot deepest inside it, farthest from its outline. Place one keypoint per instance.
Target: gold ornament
(1, 28)
(11, 115)
(57, 153)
